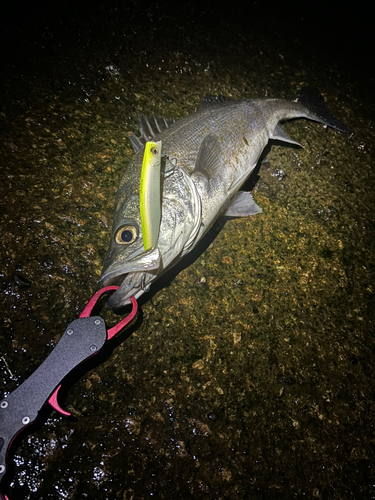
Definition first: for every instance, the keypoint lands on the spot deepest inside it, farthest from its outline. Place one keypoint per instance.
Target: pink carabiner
(94, 299)
(110, 333)
(115, 329)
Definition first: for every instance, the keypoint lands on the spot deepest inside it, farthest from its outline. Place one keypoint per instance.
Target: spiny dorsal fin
(136, 143)
(210, 100)
(149, 127)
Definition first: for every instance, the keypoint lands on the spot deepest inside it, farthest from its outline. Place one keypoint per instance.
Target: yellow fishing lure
(149, 194)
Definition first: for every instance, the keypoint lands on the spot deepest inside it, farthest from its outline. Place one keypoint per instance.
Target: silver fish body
(206, 157)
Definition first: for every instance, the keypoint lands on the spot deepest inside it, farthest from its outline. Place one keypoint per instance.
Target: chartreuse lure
(149, 194)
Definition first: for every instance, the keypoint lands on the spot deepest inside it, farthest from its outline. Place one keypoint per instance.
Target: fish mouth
(132, 277)
(132, 285)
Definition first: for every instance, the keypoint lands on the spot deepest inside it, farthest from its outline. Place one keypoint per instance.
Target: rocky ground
(249, 371)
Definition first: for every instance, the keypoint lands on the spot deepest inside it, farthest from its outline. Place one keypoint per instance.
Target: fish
(204, 160)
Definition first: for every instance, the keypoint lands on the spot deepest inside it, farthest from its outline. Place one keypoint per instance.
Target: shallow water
(249, 371)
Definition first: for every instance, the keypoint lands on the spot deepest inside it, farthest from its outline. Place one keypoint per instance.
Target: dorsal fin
(210, 100)
(136, 143)
(149, 127)
(145, 127)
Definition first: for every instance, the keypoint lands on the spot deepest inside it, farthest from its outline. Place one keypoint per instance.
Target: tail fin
(313, 101)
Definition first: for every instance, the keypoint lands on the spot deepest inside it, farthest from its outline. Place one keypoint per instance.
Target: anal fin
(280, 135)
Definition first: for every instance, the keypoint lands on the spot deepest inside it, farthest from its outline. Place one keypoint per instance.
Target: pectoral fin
(242, 205)
(209, 161)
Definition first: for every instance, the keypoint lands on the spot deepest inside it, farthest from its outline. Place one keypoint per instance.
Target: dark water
(251, 374)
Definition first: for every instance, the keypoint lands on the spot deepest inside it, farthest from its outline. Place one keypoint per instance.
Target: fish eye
(126, 235)
(154, 150)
